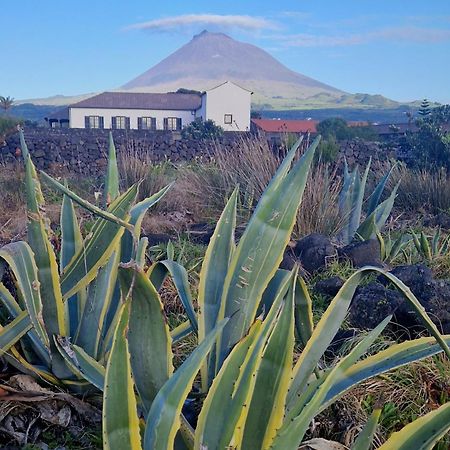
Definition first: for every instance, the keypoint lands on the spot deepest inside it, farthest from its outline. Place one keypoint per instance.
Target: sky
(397, 48)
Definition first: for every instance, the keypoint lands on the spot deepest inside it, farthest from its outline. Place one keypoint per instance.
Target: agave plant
(351, 201)
(76, 300)
(255, 397)
(430, 247)
(259, 399)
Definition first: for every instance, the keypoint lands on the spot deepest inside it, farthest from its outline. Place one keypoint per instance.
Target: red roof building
(285, 126)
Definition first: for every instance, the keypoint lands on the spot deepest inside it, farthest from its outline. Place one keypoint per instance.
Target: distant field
(28, 111)
(391, 115)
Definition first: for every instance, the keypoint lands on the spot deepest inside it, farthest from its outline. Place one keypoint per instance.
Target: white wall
(76, 116)
(228, 98)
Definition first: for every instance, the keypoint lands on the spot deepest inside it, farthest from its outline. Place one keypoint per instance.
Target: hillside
(210, 58)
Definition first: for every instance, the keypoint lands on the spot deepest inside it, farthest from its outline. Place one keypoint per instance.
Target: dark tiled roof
(142, 100)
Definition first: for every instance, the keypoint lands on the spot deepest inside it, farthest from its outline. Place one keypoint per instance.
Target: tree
(199, 129)
(6, 102)
(430, 146)
(338, 129)
(425, 108)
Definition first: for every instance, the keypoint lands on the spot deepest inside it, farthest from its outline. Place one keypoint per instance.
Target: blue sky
(398, 48)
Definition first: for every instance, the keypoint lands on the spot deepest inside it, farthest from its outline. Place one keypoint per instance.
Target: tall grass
(139, 166)
(423, 190)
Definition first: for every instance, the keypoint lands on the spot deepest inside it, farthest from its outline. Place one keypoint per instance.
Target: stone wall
(84, 151)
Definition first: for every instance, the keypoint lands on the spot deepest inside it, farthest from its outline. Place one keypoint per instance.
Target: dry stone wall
(84, 151)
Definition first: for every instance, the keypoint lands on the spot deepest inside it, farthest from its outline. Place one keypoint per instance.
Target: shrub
(430, 146)
(202, 129)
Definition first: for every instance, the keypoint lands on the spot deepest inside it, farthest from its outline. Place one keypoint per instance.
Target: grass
(422, 190)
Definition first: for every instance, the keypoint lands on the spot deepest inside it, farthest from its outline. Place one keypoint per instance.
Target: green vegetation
(81, 312)
(351, 200)
(430, 146)
(202, 129)
(74, 301)
(6, 103)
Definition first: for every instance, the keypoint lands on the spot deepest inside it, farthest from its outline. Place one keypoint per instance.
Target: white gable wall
(77, 115)
(228, 98)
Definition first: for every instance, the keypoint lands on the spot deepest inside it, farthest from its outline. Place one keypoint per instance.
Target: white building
(228, 105)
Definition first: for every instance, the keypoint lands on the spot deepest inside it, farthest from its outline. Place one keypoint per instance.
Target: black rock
(418, 278)
(373, 303)
(441, 220)
(365, 253)
(155, 238)
(329, 287)
(314, 251)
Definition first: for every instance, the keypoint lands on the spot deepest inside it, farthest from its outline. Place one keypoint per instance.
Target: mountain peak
(208, 34)
(211, 58)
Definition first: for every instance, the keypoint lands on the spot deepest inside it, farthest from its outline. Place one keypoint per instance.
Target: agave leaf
(271, 293)
(112, 174)
(395, 356)
(294, 428)
(140, 252)
(260, 249)
(107, 215)
(71, 243)
(365, 437)
(303, 311)
(359, 188)
(423, 433)
(376, 220)
(137, 214)
(163, 420)
(212, 276)
(98, 247)
(53, 308)
(170, 250)
(272, 379)
(63, 346)
(223, 414)
(120, 419)
(322, 335)
(149, 339)
(17, 360)
(333, 317)
(374, 198)
(14, 310)
(91, 370)
(215, 411)
(100, 292)
(180, 279)
(435, 242)
(181, 331)
(425, 246)
(20, 259)
(14, 331)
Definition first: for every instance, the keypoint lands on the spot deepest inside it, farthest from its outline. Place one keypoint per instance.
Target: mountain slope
(210, 58)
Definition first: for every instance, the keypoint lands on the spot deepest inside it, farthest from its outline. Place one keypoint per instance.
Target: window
(120, 122)
(93, 121)
(172, 123)
(228, 119)
(147, 123)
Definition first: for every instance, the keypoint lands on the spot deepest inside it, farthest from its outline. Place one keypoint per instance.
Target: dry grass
(422, 190)
(319, 212)
(139, 166)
